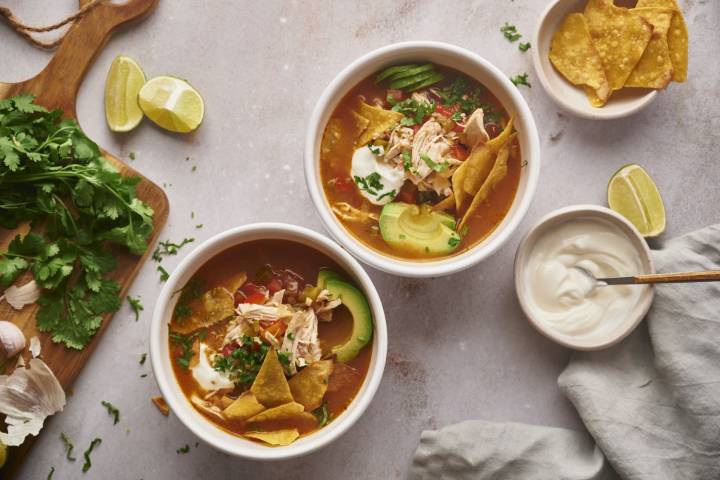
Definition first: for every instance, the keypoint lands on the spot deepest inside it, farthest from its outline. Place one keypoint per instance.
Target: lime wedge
(172, 103)
(634, 195)
(124, 81)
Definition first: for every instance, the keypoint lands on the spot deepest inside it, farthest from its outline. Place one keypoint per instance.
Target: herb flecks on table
(168, 248)
(521, 79)
(136, 306)
(54, 176)
(68, 446)
(112, 411)
(86, 454)
(510, 32)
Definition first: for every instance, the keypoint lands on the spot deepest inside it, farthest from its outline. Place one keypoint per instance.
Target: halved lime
(172, 104)
(124, 81)
(634, 195)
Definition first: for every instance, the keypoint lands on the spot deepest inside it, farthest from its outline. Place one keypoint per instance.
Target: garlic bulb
(18, 297)
(12, 339)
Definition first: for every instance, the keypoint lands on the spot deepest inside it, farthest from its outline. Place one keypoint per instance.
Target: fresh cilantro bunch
(54, 176)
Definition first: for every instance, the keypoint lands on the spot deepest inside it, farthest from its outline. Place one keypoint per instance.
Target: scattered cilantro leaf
(391, 194)
(88, 463)
(112, 410)
(524, 47)
(68, 446)
(521, 79)
(407, 160)
(164, 275)
(168, 248)
(184, 449)
(370, 184)
(199, 226)
(131, 155)
(51, 473)
(136, 306)
(415, 111)
(322, 414)
(143, 357)
(438, 167)
(454, 241)
(243, 364)
(186, 343)
(510, 32)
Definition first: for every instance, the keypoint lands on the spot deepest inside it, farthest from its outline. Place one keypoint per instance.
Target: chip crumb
(162, 405)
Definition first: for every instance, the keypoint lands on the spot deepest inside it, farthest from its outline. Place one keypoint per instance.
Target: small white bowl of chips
(598, 60)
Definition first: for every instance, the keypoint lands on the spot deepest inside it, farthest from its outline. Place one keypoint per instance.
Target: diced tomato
(275, 285)
(458, 128)
(257, 298)
(396, 95)
(229, 348)
(408, 195)
(416, 127)
(277, 329)
(447, 110)
(458, 151)
(344, 184)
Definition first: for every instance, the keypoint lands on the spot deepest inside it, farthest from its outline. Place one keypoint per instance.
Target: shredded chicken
(430, 141)
(324, 306)
(351, 214)
(253, 313)
(475, 132)
(301, 340)
(401, 139)
(207, 407)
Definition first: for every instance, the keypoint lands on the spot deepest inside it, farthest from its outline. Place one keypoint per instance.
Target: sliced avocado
(324, 275)
(362, 331)
(418, 229)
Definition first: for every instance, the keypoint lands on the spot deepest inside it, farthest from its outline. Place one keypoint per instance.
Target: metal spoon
(684, 277)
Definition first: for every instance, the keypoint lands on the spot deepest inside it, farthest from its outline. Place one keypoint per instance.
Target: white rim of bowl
(195, 422)
(589, 210)
(595, 113)
(401, 267)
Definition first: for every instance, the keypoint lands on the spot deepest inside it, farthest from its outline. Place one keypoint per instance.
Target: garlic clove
(18, 297)
(12, 339)
(35, 347)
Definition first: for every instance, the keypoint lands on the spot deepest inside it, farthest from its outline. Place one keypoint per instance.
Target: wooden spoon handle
(58, 83)
(709, 276)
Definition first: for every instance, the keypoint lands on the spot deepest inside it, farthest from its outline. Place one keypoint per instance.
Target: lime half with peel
(123, 83)
(172, 104)
(634, 195)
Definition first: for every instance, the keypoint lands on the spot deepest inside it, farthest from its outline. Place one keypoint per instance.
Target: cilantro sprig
(112, 410)
(521, 79)
(54, 176)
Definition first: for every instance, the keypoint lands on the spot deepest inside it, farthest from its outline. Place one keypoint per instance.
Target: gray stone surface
(460, 347)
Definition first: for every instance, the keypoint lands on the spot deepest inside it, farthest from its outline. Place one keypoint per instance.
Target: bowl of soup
(421, 158)
(268, 341)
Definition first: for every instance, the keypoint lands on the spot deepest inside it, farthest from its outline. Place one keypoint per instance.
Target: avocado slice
(325, 274)
(356, 302)
(418, 229)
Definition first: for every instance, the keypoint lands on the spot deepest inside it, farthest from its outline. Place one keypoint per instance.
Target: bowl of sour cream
(559, 300)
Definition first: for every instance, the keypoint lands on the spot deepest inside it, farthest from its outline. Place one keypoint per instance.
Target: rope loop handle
(26, 31)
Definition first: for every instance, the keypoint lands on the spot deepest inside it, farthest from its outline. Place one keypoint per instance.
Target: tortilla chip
(245, 406)
(235, 281)
(458, 179)
(498, 172)
(574, 56)
(654, 70)
(379, 121)
(331, 136)
(482, 159)
(218, 304)
(677, 37)
(620, 39)
(360, 125)
(270, 386)
(308, 387)
(276, 438)
(447, 203)
(287, 411)
(594, 99)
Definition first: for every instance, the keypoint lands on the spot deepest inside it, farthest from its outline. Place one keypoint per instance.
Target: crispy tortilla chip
(245, 406)
(655, 69)
(276, 438)
(593, 98)
(482, 159)
(287, 411)
(235, 281)
(677, 37)
(218, 303)
(574, 56)
(379, 121)
(359, 126)
(447, 203)
(308, 387)
(270, 386)
(458, 179)
(497, 173)
(331, 136)
(620, 39)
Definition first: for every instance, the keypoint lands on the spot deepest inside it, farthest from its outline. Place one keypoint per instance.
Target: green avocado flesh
(355, 301)
(417, 229)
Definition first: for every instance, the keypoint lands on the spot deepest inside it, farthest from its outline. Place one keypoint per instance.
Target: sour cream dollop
(206, 376)
(387, 183)
(562, 297)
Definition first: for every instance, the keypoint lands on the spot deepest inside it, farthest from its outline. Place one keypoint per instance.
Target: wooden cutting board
(56, 87)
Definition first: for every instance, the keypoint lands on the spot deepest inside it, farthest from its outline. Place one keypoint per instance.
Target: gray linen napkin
(651, 403)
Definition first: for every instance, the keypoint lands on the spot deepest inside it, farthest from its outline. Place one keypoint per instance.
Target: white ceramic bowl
(569, 97)
(160, 355)
(553, 220)
(472, 65)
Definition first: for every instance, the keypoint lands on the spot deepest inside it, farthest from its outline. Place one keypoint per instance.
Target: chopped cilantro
(86, 454)
(131, 155)
(136, 306)
(143, 357)
(182, 310)
(51, 473)
(184, 449)
(524, 47)
(375, 149)
(456, 117)
(460, 93)
(243, 364)
(68, 446)
(407, 160)
(391, 194)
(164, 275)
(143, 375)
(521, 79)
(186, 343)
(112, 410)
(510, 32)
(415, 112)
(370, 184)
(168, 248)
(194, 168)
(454, 241)
(438, 167)
(199, 226)
(322, 414)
